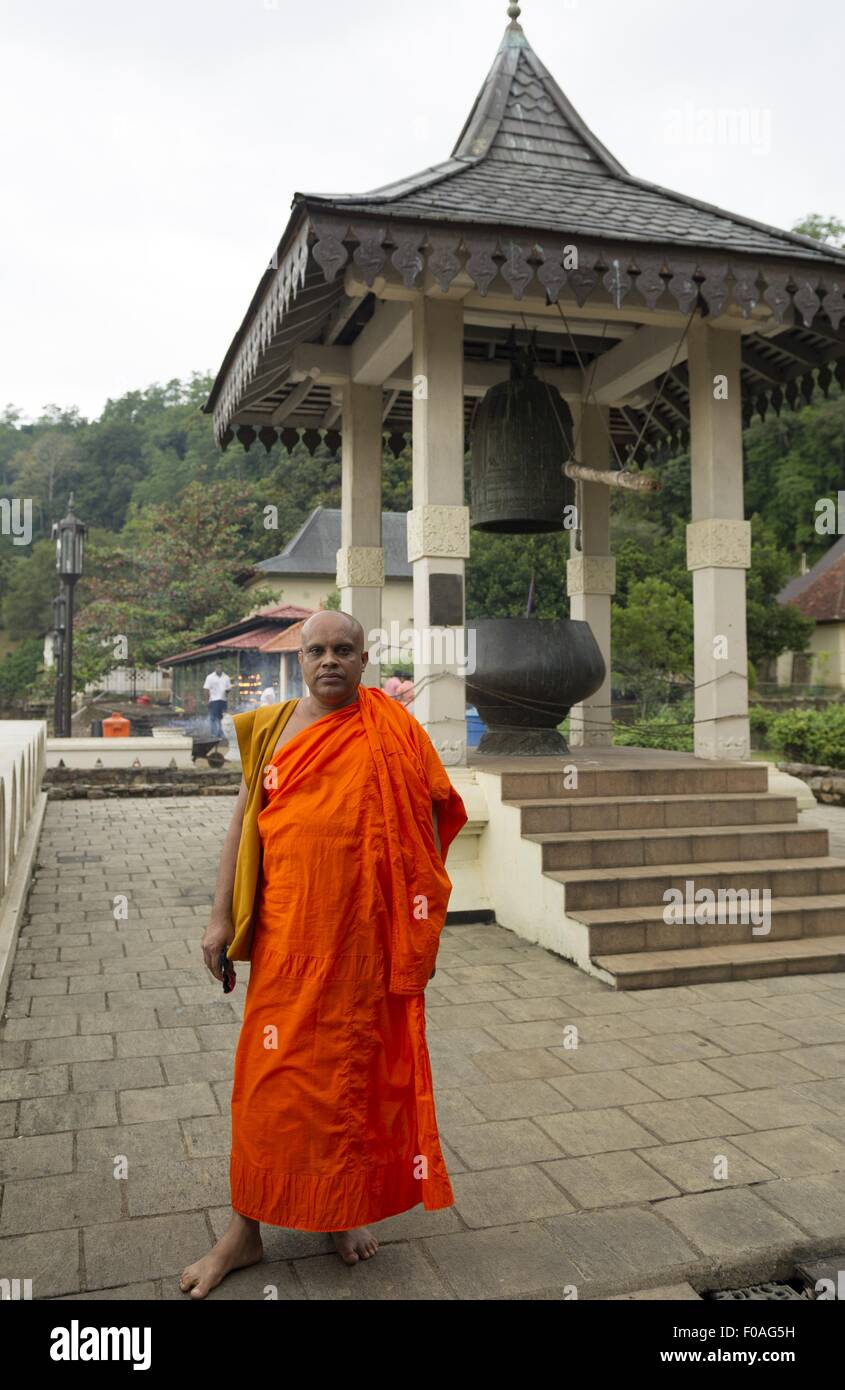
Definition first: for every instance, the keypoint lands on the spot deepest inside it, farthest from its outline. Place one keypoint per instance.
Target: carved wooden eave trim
(288, 280)
(795, 289)
(523, 259)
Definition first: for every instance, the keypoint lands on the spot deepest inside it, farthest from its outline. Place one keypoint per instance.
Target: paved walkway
(694, 1137)
(833, 820)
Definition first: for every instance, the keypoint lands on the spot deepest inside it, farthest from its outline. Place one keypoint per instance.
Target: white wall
(119, 681)
(312, 590)
(22, 762)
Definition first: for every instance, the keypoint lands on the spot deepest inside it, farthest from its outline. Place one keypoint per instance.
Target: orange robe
(333, 1118)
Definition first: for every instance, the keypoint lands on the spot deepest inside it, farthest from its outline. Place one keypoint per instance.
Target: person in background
(217, 685)
(268, 695)
(405, 693)
(399, 688)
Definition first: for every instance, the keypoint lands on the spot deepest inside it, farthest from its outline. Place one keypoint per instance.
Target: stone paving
(833, 820)
(586, 1170)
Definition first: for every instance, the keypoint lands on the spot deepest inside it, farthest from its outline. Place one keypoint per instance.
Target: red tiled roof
(192, 651)
(287, 641)
(285, 610)
(265, 638)
(257, 638)
(823, 598)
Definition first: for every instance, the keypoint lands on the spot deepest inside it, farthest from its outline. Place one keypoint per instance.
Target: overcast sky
(151, 150)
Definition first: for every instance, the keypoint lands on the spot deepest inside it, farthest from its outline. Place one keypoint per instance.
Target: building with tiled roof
(818, 594)
(304, 572)
(249, 652)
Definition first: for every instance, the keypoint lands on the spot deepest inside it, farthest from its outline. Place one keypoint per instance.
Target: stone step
(610, 849)
(638, 886)
(709, 964)
(566, 814)
(585, 781)
(642, 929)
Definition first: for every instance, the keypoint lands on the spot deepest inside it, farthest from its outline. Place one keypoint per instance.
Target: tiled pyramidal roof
(527, 181)
(527, 158)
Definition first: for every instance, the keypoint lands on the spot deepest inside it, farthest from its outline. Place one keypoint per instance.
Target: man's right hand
(219, 935)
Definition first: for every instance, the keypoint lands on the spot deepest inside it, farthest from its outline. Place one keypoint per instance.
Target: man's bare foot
(240, 1246)
(357, 1244)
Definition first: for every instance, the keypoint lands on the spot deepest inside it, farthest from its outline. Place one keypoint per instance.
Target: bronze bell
(521, 438)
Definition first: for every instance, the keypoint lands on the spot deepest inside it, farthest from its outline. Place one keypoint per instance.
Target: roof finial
(513, 13)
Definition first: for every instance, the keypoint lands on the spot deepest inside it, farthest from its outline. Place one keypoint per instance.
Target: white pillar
(438, 524)
(360, 560)
(718, 543)
(591, 573)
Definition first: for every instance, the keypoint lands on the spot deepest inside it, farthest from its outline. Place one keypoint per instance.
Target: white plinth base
(90, 753)
(463, 864)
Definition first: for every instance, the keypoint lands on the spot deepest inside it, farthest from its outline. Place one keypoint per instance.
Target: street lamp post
(69, 535)
(58, 660)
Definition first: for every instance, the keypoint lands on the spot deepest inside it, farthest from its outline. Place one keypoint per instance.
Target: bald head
(332, 658)
(327, 624)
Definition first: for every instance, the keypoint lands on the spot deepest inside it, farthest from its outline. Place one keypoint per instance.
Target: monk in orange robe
(332, 883)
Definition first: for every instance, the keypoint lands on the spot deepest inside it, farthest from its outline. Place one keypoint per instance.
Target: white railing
(23, 745)
(122, 680)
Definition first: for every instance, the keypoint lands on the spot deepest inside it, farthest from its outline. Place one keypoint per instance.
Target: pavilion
(662, 320)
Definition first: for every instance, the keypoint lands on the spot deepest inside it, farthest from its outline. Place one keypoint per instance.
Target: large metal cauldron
(521, 437)
(529, 672)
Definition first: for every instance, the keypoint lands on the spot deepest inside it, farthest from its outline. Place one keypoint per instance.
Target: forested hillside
(175, 523)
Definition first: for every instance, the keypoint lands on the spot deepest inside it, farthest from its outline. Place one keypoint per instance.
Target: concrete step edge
(712, 867)
(653, 912)
(706, 797)
(561, 837)
(703, 956)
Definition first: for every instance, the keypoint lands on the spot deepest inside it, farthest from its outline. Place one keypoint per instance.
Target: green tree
(47, 471)
(652, 641)
(172, 577)
(827, 229)
(500, 572)
(18, 672)
(772, 627)
(31, 586)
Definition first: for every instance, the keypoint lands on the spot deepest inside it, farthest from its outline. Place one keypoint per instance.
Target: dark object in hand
(229, 976)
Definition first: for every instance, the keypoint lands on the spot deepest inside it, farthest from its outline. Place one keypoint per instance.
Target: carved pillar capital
(719, 543)
(591, 574)
(438, 531)
(360, 567)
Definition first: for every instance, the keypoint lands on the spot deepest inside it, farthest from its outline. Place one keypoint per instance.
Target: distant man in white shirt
(217, 684)
(268, 695)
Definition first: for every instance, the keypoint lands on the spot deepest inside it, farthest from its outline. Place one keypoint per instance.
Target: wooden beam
(295, 398)
(645, 355)
(335, 410)
(389, 285)
(801, 352)
(332, 364)
(831, 334)
(772, 372)
(382, 345)
(342, 314)
(502, 319)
